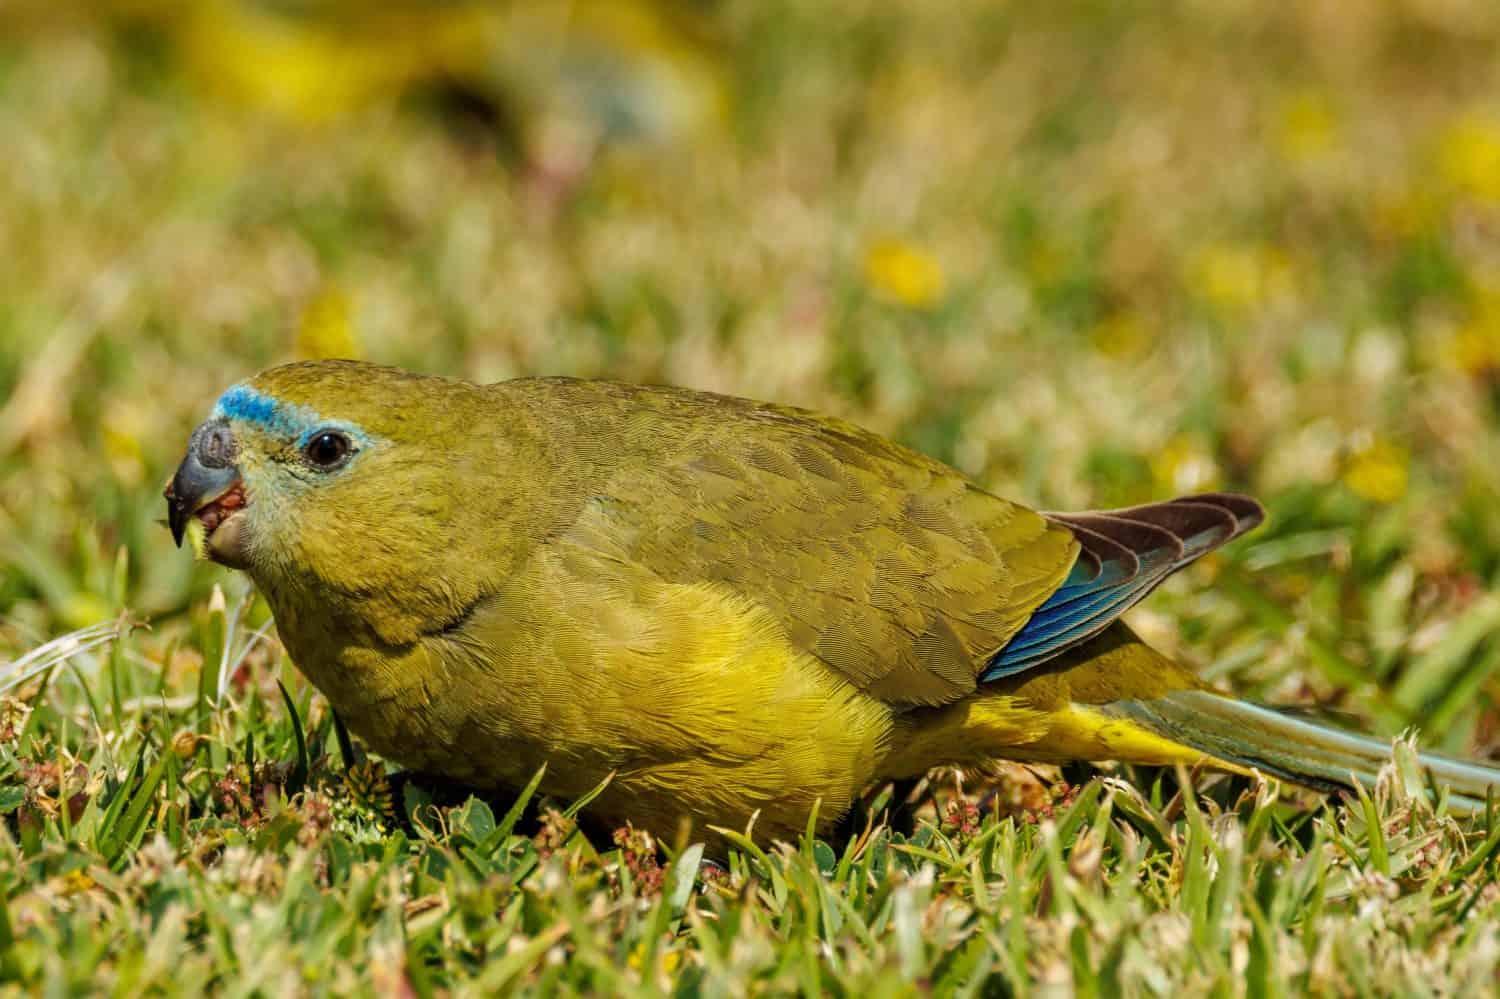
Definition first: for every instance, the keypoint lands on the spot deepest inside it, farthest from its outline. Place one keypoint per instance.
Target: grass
(1090, 254)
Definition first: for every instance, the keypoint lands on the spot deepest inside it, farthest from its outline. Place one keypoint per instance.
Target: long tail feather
(1296, 749)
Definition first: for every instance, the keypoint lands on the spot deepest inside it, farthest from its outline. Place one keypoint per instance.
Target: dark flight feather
(1125, 554)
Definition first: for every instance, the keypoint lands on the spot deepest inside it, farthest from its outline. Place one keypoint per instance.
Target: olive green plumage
(736, 609)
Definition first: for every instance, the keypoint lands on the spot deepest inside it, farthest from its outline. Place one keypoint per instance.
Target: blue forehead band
(243, 404)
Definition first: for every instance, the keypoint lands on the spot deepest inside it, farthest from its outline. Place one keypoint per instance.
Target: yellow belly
(692, 697)
(695, 704)
(717, 717)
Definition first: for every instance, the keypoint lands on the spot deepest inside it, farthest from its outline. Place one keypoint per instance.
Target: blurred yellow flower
(326, 330)
(126, 459)
(1407, 212)
(1468, 157)
(1308, 128)
(1184, 465)
(670, 961)
(1377, 470)
(631, 68)
(904, 273)
(1474, 348)
(125, 425)
(318, 63)
(1120, 335)
(1237, 277)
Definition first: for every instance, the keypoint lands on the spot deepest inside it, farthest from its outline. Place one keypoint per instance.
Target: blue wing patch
(1123, 556)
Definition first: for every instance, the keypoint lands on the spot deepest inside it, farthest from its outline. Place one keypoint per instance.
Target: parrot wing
(891, 568)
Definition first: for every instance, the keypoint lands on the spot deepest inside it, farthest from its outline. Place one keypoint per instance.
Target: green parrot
(741, 611)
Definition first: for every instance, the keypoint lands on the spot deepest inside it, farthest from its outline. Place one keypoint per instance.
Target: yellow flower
(904, 273)
(1183, 465)
(124, 427)
(1468, 157)
(314, 61)
(76, 882)
(1377, 470)
(1308, 128)
(670, 960)
(318, 63)
(1237, 277)
(1120, 335)
(1406, 213)
(326, 331)
(1473, 347)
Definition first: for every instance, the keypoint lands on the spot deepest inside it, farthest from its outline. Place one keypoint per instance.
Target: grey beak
(207, 473)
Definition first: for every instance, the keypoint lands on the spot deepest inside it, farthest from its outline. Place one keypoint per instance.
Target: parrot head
(278, 452)
(342, 485)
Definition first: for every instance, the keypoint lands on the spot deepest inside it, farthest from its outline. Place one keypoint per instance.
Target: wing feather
(1135, 549)
(891, 568)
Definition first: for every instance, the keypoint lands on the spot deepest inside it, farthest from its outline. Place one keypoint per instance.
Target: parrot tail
(1295, 749)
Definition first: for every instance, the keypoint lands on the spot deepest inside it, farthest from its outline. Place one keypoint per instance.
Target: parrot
(722, 611)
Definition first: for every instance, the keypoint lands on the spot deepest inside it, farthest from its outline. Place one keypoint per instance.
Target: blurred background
(1090, 253)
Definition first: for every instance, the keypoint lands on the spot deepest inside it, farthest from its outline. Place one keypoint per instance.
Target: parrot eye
(328, 450)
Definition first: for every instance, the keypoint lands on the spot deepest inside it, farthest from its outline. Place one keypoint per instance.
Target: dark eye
(328, 449)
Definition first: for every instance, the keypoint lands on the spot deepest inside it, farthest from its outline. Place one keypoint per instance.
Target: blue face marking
(243, 404)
